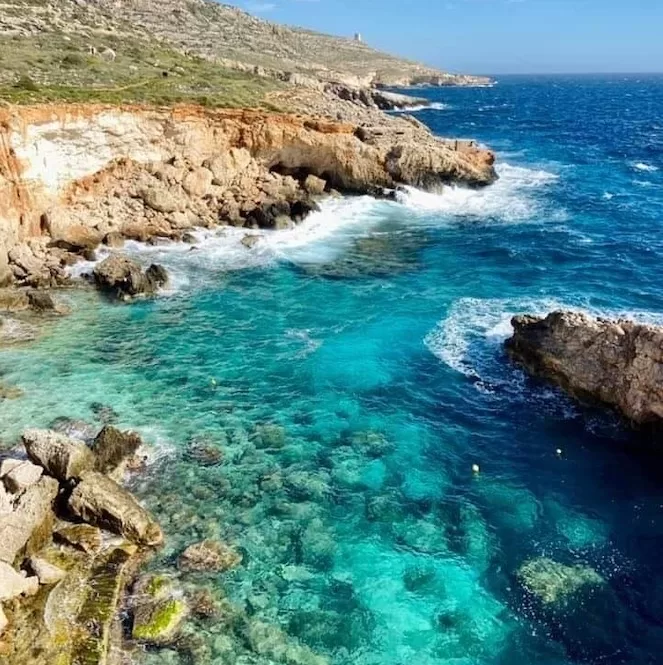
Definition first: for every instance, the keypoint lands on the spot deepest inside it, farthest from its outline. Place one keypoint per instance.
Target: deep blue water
(373, 336)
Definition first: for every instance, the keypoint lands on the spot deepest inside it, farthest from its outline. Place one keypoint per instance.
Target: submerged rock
(61, 457)
(208, 556)
(618, 363)
(102, 502)
(552, 582)
(125, 278)
(158, 611)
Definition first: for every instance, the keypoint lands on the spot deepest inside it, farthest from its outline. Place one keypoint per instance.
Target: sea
(336, 403)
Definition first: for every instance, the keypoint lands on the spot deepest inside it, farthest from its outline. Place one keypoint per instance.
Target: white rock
(13, 584)
(22, 476)
(3, 621)
(8, 464)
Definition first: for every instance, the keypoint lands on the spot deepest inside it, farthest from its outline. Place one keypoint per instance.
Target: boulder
(123, 277)
(197, 182)
(61, 457)
(22, 476)
(83, 537)
(13, 584)
(28, 528)
(46, 572)
(551, 582)
(74, 237)
(114, 240)
(208, 556)
(314, 185)
(13, 300)
(6, 276)
(160, 199)
(101, 502)
(41, 301)
(250, 241)
(112, 447)
(618, 363)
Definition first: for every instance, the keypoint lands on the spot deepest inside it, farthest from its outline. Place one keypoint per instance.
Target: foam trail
(647, 168)
(435, 106)
(512, 198)
(468, 337)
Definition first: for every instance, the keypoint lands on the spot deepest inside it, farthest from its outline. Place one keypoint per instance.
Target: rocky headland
(616, 363)
(73, 177)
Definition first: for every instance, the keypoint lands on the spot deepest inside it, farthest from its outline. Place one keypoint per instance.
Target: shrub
(26, 83)
(73, 60)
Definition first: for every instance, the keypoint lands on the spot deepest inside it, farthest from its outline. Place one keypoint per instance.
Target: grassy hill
(165, 51)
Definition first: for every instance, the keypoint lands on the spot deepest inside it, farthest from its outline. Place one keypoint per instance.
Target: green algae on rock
(159, 611)
(552, 582)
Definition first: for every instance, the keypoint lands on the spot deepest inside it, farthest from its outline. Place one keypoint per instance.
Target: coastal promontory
(616, 363)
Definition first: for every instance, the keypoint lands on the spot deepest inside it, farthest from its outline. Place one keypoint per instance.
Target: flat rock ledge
(616, 363)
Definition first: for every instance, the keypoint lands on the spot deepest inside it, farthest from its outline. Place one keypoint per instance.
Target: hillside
(178, 50)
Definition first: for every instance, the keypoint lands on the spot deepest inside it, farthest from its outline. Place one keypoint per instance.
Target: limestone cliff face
(95, 167)
(619, 363)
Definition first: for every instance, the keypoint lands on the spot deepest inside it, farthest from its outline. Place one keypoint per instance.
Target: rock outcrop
(124, 278)
(61, 457)
(101, 501)
(141, 173)
(61, 581)
(618, 363)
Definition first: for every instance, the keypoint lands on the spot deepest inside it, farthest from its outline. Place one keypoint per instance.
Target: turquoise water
(352, 372)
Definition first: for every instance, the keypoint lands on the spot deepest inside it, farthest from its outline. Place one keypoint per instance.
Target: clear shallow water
(373, 336)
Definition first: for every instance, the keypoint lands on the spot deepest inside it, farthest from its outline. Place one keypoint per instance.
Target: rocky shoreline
(75, 177)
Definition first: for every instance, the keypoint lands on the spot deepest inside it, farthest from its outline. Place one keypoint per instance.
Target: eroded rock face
(124, 278)
(61, 457)
(101, 501)
(28, 527)
(618, 363)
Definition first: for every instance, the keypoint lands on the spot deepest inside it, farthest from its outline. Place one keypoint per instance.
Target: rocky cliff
(74, 175)
(618, 363)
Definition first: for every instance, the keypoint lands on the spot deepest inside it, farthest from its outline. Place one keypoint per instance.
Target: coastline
(73, 180)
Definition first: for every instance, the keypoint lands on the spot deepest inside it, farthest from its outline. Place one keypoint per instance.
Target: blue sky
(493, 36)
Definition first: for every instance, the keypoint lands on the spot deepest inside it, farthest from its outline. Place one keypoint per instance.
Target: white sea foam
(647, 168)
(511, 199)
(327, 233)
(468, 338)
(435, 106)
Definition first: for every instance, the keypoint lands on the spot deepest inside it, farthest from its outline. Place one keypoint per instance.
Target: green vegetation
(60, 68)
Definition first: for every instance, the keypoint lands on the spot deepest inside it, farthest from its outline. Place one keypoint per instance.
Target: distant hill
(172, 50)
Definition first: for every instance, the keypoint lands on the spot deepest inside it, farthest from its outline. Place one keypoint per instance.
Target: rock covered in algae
(159, 612)
(208, 556)
(100, 501)
(83, 537)
(552, 582)
(61, 457)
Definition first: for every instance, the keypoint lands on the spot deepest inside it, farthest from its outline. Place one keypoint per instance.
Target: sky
(492, 36)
